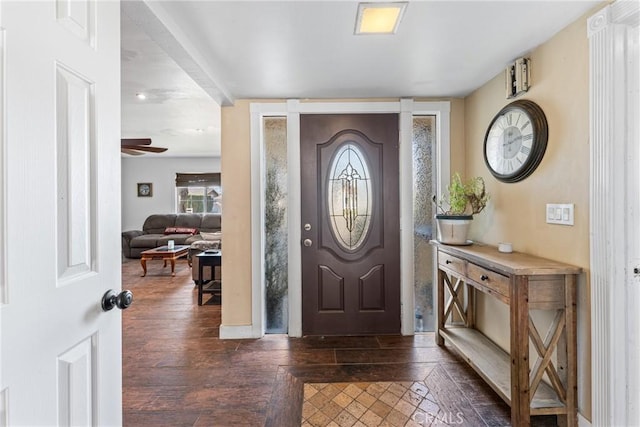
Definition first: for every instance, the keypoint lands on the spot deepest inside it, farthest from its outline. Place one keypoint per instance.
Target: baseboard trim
(237, 332)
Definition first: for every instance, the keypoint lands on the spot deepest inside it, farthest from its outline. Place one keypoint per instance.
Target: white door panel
(60, 360)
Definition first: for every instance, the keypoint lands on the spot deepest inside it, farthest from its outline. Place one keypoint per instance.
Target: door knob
(112, 299)
(307, 242)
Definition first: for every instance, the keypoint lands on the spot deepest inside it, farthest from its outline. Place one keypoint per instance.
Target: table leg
(440, 308)
(200, 280)
(471, 306)
(567, 353)
(519, 320)
(173, 266)
(143, 262)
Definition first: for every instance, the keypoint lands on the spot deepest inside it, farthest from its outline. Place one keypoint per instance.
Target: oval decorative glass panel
(349, 196)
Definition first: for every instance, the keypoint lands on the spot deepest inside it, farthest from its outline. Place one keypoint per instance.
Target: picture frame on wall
(145, 189)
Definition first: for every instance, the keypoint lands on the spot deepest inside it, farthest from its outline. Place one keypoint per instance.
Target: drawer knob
(447, 262)
(484, 277)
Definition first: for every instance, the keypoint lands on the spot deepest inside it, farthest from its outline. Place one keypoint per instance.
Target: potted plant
(464, 199)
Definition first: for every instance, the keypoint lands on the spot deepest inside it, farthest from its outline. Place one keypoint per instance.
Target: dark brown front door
(350, 219)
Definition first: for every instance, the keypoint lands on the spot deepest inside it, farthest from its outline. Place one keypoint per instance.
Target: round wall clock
(515, 141)
(144, 189)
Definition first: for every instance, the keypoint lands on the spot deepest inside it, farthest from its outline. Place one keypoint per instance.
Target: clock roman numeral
(525, 150)
(510, 166)
(524, 126)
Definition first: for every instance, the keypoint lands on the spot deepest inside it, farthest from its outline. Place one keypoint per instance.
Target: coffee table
(165, 254)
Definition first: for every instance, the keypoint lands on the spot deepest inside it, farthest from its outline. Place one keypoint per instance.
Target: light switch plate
(560, 213)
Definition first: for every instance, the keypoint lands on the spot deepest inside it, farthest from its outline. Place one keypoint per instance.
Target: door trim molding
(613, 131)
(3, 178)
(292, 109)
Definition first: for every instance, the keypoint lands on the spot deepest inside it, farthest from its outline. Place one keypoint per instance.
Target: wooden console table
(523, 282)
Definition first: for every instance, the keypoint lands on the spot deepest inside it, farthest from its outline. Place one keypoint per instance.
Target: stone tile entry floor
(372, 404)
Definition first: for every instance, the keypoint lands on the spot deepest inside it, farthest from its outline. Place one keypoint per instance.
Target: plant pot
(453, 229)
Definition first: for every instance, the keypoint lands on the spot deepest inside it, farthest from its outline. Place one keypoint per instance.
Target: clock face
(515, 141)
(144, 189)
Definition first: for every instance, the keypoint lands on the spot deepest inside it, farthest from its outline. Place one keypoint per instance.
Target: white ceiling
(307, 49)
(177, 113)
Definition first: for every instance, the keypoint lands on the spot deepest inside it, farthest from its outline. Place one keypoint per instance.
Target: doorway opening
(432, 132)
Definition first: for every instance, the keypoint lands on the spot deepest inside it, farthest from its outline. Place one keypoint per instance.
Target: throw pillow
(180, 230)
(186, 230)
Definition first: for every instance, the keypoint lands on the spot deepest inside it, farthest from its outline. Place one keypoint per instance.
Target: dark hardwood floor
(177, 372)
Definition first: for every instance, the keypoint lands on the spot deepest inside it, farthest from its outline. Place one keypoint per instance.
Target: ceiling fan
(138, 146)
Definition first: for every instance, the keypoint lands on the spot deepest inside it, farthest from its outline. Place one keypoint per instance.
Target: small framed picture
(145, 189)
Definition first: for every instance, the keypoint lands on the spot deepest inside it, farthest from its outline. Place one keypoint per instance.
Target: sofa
(199, 231)
(158, 229)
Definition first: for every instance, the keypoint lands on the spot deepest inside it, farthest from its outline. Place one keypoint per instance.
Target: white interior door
(60, 353)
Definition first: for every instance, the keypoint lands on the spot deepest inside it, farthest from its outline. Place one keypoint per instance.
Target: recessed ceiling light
(379, 18)
(141, 96)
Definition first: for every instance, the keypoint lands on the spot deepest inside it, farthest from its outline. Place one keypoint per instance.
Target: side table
(212, 259)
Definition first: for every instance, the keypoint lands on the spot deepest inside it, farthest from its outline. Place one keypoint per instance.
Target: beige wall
(458, 155)
(516, 213)
(236, 215)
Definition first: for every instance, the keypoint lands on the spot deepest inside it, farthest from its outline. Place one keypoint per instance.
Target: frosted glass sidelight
(423, 219)
(349, 196)
(275, 220)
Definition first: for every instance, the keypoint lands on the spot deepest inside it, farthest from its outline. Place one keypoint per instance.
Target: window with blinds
(198, 193)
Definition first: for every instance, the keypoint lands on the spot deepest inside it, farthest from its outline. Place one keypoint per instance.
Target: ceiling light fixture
(379, 18)
(141, 96)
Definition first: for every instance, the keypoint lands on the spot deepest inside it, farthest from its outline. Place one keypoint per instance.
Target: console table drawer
(491, 282)
(452, 263)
